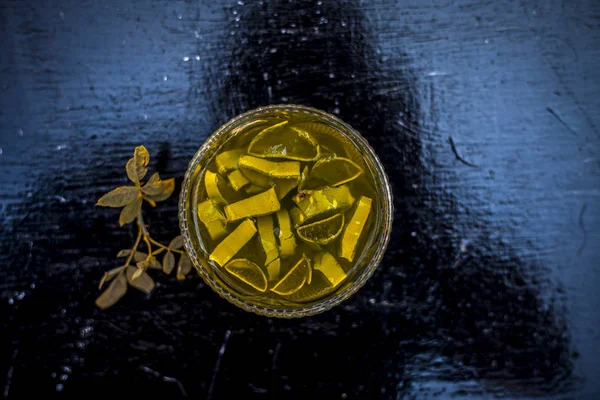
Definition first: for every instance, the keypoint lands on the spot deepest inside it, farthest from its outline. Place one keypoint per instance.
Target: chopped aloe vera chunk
(316, 202)
(212, 219)
(281, 141)
(212, 188)
(287, 241)
(297, 216)
(328, 266)
(282, 169)
(247, 272)
(354, 228)
(333, 171)
(295, 278)
(323, 231)
(228, 160)
(261, 204)
(233, 243)
(237, 180)
(274, 269)
(267, 237)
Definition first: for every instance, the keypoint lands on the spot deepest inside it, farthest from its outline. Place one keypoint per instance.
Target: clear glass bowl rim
(387, 213)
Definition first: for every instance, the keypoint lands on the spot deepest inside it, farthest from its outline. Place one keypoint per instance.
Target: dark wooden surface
(486, 115)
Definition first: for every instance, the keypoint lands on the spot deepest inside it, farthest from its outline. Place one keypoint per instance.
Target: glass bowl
(364, 265)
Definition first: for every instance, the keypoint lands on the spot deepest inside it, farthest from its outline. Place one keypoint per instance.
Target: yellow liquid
(314, 285)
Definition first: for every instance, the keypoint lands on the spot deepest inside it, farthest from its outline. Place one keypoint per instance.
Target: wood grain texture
(488, 287)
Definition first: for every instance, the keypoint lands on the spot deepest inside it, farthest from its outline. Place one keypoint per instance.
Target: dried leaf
(176, 243)
(154, 264)
(135, 275)
(168, 263)
(168, 187)
(154, 186)
(140, 256)
(130, 212)
(142, 282)
(113, 292)
(142, 158)
(151, 202)
(142, 265)
(110, 275)
(131, 169)
(153, 179)
(184, 267)
(119, 197)
(123, 253)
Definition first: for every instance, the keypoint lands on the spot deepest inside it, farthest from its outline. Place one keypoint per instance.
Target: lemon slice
(323, 231)
(283, 141)
(354, 228)
(261, 204)
(333, 171)
(267, 238)
(316, 202)
(294, 279)
(212, 188)
(233, 243)
(228, 160)
(328, 266)
(247, 272)
(212, 219)
(237, 180)
(287, 241)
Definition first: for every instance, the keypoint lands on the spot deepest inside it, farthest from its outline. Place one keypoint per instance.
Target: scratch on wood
(9, 374)
(458, 156)
(559, 119)
(165, 378)
(218, 364)
(275, 356)
(582, 226)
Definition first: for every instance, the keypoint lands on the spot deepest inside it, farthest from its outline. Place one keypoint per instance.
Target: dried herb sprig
(131, 198)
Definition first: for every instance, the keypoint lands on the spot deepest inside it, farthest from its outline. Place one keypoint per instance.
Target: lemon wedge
(283, 141)
(247, 272)
(333, 171)
(323, 231)
(354, 228)
(294, 279)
